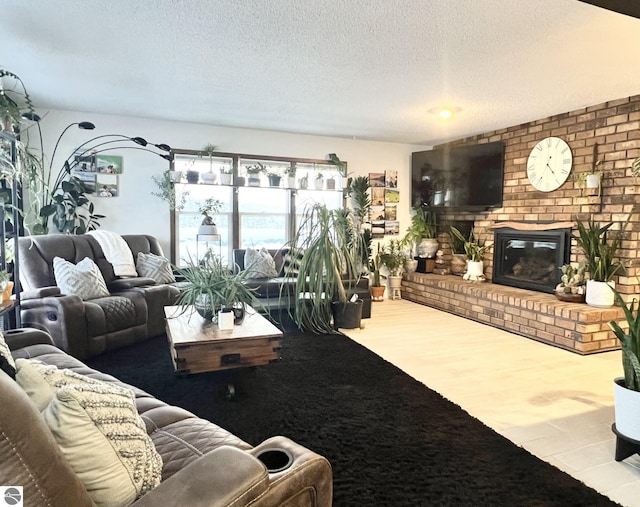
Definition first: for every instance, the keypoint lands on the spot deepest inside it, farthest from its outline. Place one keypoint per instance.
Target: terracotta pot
(377, 292)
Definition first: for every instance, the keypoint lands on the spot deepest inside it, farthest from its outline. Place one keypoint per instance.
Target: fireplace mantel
(533, 226)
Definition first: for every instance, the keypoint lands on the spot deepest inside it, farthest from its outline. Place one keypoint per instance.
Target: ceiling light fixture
(445, 113)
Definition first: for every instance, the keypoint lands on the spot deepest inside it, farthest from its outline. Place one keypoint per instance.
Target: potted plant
(226, 174)
(423, 232)
(393, 258)
(376, 287)
(600, 250)
(458, 264)
(254, 172)
(209, 177)
(319, 181)
(358, 191)
(627, 388)
(475, 251)
(290, 173)
(304, 182)
(573, 283)
(591, 182)
(167, 191)
(209, 208)
(274, 178)
(210, 287)
(328, 272)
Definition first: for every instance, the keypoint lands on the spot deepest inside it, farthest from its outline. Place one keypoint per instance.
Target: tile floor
(556, 404)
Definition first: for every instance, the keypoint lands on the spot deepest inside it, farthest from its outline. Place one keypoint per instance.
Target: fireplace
(530, 259)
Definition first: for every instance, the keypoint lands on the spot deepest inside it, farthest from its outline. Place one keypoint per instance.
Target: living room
(292, 129)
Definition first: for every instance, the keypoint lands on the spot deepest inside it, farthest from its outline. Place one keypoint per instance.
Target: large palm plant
(329, 268)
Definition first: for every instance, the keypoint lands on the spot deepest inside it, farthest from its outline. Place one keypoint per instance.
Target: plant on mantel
(474, 249)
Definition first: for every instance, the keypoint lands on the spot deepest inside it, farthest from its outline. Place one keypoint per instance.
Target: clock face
(549, 164)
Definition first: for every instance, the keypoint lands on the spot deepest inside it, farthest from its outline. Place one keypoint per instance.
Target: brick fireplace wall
(615, 127)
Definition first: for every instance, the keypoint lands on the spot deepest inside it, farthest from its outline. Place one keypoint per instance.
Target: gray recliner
(133, 311)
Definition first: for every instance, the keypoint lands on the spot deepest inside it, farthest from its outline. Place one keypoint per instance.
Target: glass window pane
(263, 217)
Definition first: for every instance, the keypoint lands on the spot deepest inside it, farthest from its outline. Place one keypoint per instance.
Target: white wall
(135, 210)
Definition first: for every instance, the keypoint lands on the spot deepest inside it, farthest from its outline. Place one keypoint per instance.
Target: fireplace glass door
(530, 259)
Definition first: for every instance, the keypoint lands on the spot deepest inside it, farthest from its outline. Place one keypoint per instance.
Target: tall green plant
(600, 249)
(393, 257)
(473, 248)
(630, 342)
(329, 267)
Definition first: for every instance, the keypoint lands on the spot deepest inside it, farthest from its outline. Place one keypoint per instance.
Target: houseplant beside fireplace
(600, 250)
(475, 252)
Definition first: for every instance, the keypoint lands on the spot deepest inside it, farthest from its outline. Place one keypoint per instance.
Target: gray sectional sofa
(133, 311)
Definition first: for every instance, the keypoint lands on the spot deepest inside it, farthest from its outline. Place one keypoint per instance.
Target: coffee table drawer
(225, 354)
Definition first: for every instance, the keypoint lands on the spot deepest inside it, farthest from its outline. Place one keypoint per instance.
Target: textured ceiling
(365, 69)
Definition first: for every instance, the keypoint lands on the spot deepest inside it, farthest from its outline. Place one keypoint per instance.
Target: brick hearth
(572, 326)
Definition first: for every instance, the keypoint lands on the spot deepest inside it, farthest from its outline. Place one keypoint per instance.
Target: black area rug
(390, 440)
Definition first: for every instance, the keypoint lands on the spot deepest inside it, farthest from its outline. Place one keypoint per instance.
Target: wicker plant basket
(570, 298)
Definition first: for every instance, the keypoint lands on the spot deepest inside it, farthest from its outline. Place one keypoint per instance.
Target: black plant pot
(239, 181)
(274, 181)
(347, 315)
(193, 176)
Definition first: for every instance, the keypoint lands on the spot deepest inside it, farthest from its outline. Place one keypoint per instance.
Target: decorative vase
(428, 248)
(412, 265)
(599, 294)
(475, 271)
(627, 410)
(377, 292)
(204, 308)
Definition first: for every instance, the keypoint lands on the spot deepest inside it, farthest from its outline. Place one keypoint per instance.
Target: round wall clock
(549, 164)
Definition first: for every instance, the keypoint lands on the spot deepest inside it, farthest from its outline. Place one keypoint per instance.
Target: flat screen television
(461, 177)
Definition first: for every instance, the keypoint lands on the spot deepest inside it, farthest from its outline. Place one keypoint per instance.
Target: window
(265, 212)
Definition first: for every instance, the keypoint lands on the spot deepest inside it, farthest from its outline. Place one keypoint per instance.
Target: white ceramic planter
(225, 179)
(592, 181)
(225, 319)
(599, 294)
(627, 407)
(208, 178)
(207, 229)
(428, 248)
(475, 271)
(291, 182)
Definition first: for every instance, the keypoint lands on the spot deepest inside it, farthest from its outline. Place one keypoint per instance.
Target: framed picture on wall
(391, 179)
(376, 179)
(392, 227)
(107, 185)
(109, 164)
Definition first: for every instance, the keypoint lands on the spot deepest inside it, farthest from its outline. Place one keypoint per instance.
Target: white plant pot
(475, 271)
(207, 230)
(319, 184)
(627, 408)
(225, 319)
(599, 294)
(291, 182)
(175, 176)
(208, 178)
(412, 265)
(254, 181)
(395, 282)
(592, 181)
(428, 248)
(225, 179)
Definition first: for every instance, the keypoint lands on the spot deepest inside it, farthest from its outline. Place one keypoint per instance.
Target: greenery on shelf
(255, 169)
(211, 286)
(330, 267)
(342, 166)
(629, 342)
(474, 249)
(600, 248)
(166, 191)
(394, 257)
(209, 208)
(573, 279)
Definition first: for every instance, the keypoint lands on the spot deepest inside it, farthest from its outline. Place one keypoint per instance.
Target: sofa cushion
(102, 436)
(41, 381)
(83, 279)
(7, 363)
(291, 263)
(155, 266)
(259, 263)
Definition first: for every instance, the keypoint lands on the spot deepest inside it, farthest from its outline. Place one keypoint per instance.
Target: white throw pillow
(41, 381)
(259, 263)
(156, 267)
(83, 279)
(105, 441)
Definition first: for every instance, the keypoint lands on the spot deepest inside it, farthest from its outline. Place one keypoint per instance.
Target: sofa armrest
(40, 293)
(23, 337)
(120, 284)
(308, 480)
(226, 476)
(63, 317)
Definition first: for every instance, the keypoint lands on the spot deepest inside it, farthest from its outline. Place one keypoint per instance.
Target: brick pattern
(615, 127)
(572, 326)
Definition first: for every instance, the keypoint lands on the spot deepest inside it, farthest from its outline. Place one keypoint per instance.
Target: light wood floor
(556, 404)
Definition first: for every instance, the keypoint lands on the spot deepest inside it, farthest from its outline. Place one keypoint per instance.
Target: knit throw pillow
(259, 263)
(291, 262)
(154, 266)
(105, 441)
(83, 279)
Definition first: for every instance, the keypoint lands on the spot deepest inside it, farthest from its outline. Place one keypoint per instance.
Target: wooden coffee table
(198, 345)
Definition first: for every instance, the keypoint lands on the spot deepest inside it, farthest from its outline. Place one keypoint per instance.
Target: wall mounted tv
(459, 177)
